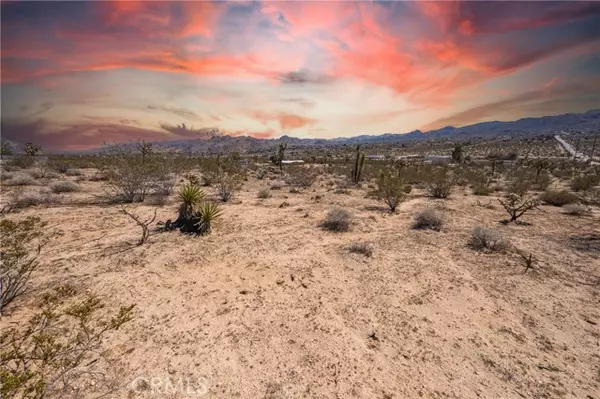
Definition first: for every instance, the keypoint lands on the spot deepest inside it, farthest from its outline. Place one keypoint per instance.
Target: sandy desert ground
(271, 306)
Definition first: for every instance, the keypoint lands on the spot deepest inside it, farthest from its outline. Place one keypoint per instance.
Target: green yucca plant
(190, 195)
(203, 216)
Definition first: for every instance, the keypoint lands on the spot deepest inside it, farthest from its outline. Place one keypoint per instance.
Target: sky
(75, 75)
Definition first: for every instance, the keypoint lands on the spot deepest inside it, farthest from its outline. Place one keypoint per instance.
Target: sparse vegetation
(58, 348)
(486, 239)
(143, 223)
(64, 187)
(337, 220)
(440, 183)
(558, 198)
(361, 248)
(429, 219)
(576, 209)
(358, 166)
(264, 192)
(517, 205)
(391, 190)
(21, 245)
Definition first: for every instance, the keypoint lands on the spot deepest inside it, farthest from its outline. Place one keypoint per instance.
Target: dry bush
(64, 187)
(337, 220)
(20, 162)
(143, 223)
(26, 199)
(103, 175)
(585, 182)
(132, 176)
(429, 219)
(264, 192)
(156, 199)
(576, 209)
(486, 239)
(20, 180)
(362, 248)
(58, 352)
(227, 185)
(517, 205)
(73, 172)
(300, 177)
(591, 196)
(391, 190)
(20, 247)
(440, 183)
(558, 198)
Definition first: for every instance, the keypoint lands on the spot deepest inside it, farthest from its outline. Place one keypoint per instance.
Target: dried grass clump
(337, 220)
(20, 180)
(73, 172)
(486, 239)
(558, 198)
(264, 193)
(26, 199)
(362, 248)
(64, 186)
(429, 219)
(576, 209)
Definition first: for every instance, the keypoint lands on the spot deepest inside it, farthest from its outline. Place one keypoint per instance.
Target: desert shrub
(156, 199)
(482, 190)
(591, 196)
(361, 248)
(486, 239)
(100, 176)
(144, 224)
(429, 219)
(227, 185)
(59, 164)
(519, 184)
(584, 182)
(558, 198)
(21, 245)
(20, 180)
(517, 205)
(276, 186)
(264, 193)
(26, 199)
(261, 173)
(391, 190)
(73, 172)
(542, 181)
(576, 209)
(132, 177)
(64, 187)
(21, 162)
(58, 352)
(337, 220)
(300, 177)
(440, 183)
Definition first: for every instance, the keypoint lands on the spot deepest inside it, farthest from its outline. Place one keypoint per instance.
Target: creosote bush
(558, 198)
(300, 176)
(391, 190)
(20, 180)
(58, 352)
(440, 183)
(64, 187)
(429, 219)
(486, 239)
(20, 247)
(337, 220)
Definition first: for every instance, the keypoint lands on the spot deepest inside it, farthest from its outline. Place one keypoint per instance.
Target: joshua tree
(6, 148)
(32, 149)
(457, 153)
(358, 165)
(278, 158)
(145, 149)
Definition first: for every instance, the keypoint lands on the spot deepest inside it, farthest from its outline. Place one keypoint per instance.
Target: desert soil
(271, 306)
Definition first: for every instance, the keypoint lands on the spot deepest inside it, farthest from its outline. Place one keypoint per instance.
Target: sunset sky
(78, 74)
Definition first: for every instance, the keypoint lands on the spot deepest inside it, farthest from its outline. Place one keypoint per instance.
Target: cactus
(358, 165)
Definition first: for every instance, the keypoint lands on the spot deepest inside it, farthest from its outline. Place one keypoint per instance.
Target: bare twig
(144, 224)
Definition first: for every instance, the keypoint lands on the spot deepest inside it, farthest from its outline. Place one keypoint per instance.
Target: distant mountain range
(522, 127)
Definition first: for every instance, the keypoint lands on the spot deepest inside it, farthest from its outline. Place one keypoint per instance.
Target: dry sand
(271, 306)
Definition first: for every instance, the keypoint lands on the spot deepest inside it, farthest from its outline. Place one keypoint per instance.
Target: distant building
(376, 157)
(438, 159)
(291, 161)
